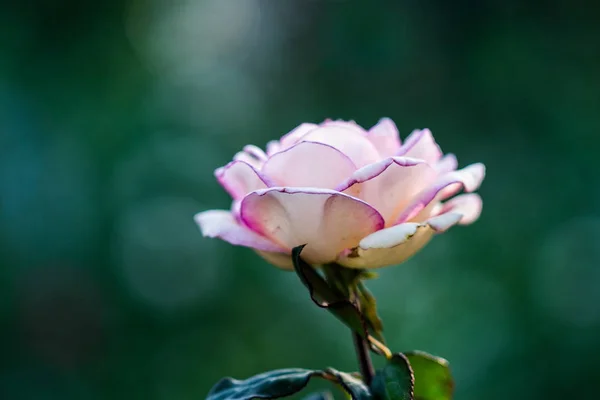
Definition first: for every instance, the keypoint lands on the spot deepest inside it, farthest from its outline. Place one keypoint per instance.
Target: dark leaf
(268, 385)
(326, 297)
(355, 387)
(395, 381)
(433, 379)
(285, 382)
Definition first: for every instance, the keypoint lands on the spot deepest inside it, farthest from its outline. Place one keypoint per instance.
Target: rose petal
(385, 137)
(467, 205)
(222, 224)
(388, 246)
(281, 260)
(396, 244)
(390, 184)
(248, 159)
(273, 147)
(255, 152)
(308, 164)
(447, 164)
(349, 141)
(421, 144)
(240, 178)
(344, 124)
(294, 136)
(327, 221)
(468, 179)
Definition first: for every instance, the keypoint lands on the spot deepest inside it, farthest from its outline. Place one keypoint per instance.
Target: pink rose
(355, 197)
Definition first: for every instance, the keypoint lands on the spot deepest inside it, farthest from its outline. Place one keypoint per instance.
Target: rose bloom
(356, 197)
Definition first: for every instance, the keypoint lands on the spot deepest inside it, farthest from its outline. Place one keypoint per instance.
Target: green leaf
(355, 387)
(268, 385)
(395, 381)
(433, 379)
(285, 382)
(327, 297)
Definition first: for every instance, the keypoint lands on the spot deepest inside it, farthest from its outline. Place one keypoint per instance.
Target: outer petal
(385, 137)
(421, 144)
(222, 224)
(468, 178)
(447, 164)
(240, 178)
(281, 260)
(294, 136)
(255, 152)
(467, 205)
(349, 141)
(389, 185)
(248, 159)
(327, 221)
(308, 164)
(273, 147)
(396, 244)
(344, 124)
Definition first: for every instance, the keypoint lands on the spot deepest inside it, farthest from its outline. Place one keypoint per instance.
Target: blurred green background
(114, 114)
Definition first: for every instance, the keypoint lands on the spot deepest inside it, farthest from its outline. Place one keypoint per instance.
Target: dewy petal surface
(421, 144)
(349, 141)
(385, 137)
(390, 184)
(327, 221)
(240, 178)
(222, 224)
(308, 164)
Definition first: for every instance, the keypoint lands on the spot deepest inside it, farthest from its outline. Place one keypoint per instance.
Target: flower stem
(364, 358)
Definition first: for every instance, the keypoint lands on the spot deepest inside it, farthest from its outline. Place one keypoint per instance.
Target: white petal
(222, 224)
(388, 246)
(467, 205)
(396, 244)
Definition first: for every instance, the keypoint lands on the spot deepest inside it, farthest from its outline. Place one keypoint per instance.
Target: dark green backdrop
(114, 114)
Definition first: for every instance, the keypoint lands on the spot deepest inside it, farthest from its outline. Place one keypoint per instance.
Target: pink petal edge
(371, 171)
(222, 224)
(326, 220)
(468, 179)
(238, 186)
